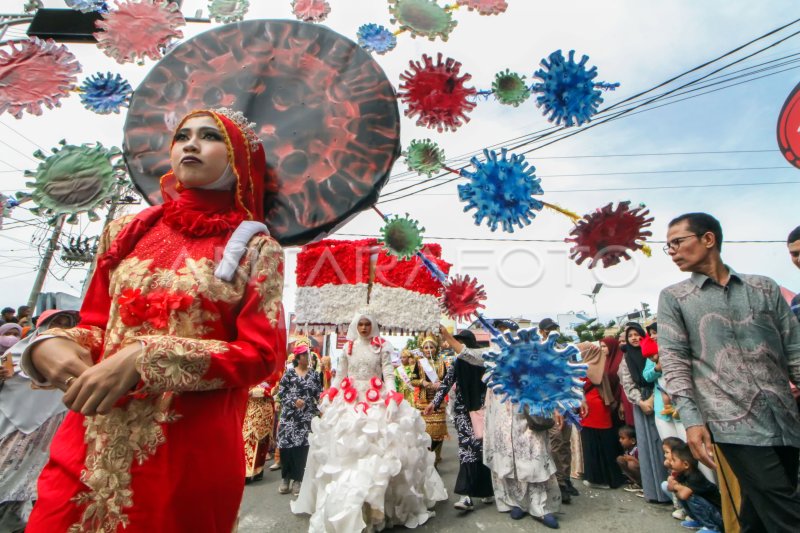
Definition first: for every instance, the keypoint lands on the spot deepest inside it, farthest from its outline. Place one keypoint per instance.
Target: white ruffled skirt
(368, 471)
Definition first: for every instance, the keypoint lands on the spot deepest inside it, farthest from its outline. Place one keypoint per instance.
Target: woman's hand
(646, 407)
(559, 420)
(428, 410)
(299, 403)
(584, 409)
(4, 374)
(60, 361)
(97, 389)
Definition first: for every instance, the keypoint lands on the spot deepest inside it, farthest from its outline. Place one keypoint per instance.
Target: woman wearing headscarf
(429, 374)
(599, 437)
(368, 466)
(28, 420)
(171, 339)
(640, 394)
(474, 478)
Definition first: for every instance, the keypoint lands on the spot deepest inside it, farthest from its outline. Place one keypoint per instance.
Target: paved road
(264, 510)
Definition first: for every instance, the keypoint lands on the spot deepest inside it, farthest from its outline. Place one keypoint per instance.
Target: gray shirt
(728, 354)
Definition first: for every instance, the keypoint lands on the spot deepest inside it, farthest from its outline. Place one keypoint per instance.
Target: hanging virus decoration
(311, 10)
(139, 29)
(105, 93)
(401, 236)
(535, 373)
(608, 235)
(509, 88)
(485, 7)
(34, 73)
(567, 91)
(375, 38)
(424, 18)
(7, 203)
(87, 6)
(227, 11)
(424, 157)
(501, 191)
(436, 93)
(74, 179)
(462, 298)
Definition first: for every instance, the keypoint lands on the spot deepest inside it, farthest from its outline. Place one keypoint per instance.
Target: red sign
(789, 128)
(340, 340)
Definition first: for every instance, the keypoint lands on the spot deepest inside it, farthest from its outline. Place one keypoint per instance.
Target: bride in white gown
(368, 466)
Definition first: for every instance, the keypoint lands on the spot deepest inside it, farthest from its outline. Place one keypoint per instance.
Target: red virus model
(485, 7)
(436, 93)
(311, 10)
(35, 74)
(462, 297)
(139, 29)
(608, 235)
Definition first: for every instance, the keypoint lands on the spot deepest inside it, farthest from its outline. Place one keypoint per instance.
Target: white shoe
(595, 485)
(296, 488)
(679, 514)
(284, 487)
(464, 504)
(488, 500)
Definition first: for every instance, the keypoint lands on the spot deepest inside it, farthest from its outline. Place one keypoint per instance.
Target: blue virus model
(87, 6)
(534, 373)
(105, 93)
(501, 190)
(567, 91)
(375, 38)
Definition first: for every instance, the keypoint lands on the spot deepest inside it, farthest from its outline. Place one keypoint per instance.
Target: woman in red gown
(182, 316)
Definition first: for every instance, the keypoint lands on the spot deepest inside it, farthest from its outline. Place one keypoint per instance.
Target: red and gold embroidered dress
(169, 457)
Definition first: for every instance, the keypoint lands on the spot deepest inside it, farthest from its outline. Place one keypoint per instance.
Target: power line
(494, 239)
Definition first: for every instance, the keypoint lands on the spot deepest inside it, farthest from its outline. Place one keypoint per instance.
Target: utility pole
(44, 266)
(112, 212)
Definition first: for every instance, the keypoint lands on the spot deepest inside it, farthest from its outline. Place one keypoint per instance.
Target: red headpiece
(245, 156)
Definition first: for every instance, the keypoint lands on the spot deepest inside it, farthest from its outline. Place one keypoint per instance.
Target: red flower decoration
(347, 383)
(393, 397)
(608, 234)
(350, 395)
(436, 93)
(462, 297)
(373, 395)
(155, 307)
(331, 393)
(362, 406)
(376, 383)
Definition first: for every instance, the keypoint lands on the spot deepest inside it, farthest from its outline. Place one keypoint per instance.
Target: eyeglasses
(675, 243)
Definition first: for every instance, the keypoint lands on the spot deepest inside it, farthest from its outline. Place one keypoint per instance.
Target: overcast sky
(632, 42)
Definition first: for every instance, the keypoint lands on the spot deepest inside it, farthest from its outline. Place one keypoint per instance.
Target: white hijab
(352, 330)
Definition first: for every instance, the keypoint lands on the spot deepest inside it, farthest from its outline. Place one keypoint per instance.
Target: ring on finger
(68, 381)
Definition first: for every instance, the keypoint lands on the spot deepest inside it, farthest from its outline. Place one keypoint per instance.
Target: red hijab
(612, 361)
(248, 162)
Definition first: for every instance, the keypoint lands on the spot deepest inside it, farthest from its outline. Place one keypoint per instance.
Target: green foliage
(590, 331)
(412, 344)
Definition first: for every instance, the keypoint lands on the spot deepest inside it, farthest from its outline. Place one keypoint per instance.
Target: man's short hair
(7, 310)
(700, 224)
(794, 235)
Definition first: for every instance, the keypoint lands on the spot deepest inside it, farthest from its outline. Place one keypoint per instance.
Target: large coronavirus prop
(34, 73)
(535, 373)
(74, 179)
(567, 89)
(401, 236)
(509, 88)
(501, 190)
(375, 38)
(435, 93)
(424, 157)
(138, 29)
(87, 6)
(608, 235)
(226, 11)
(424, 18)
(311, 10)
(485, 7)
(462, 298)
(105, 93)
